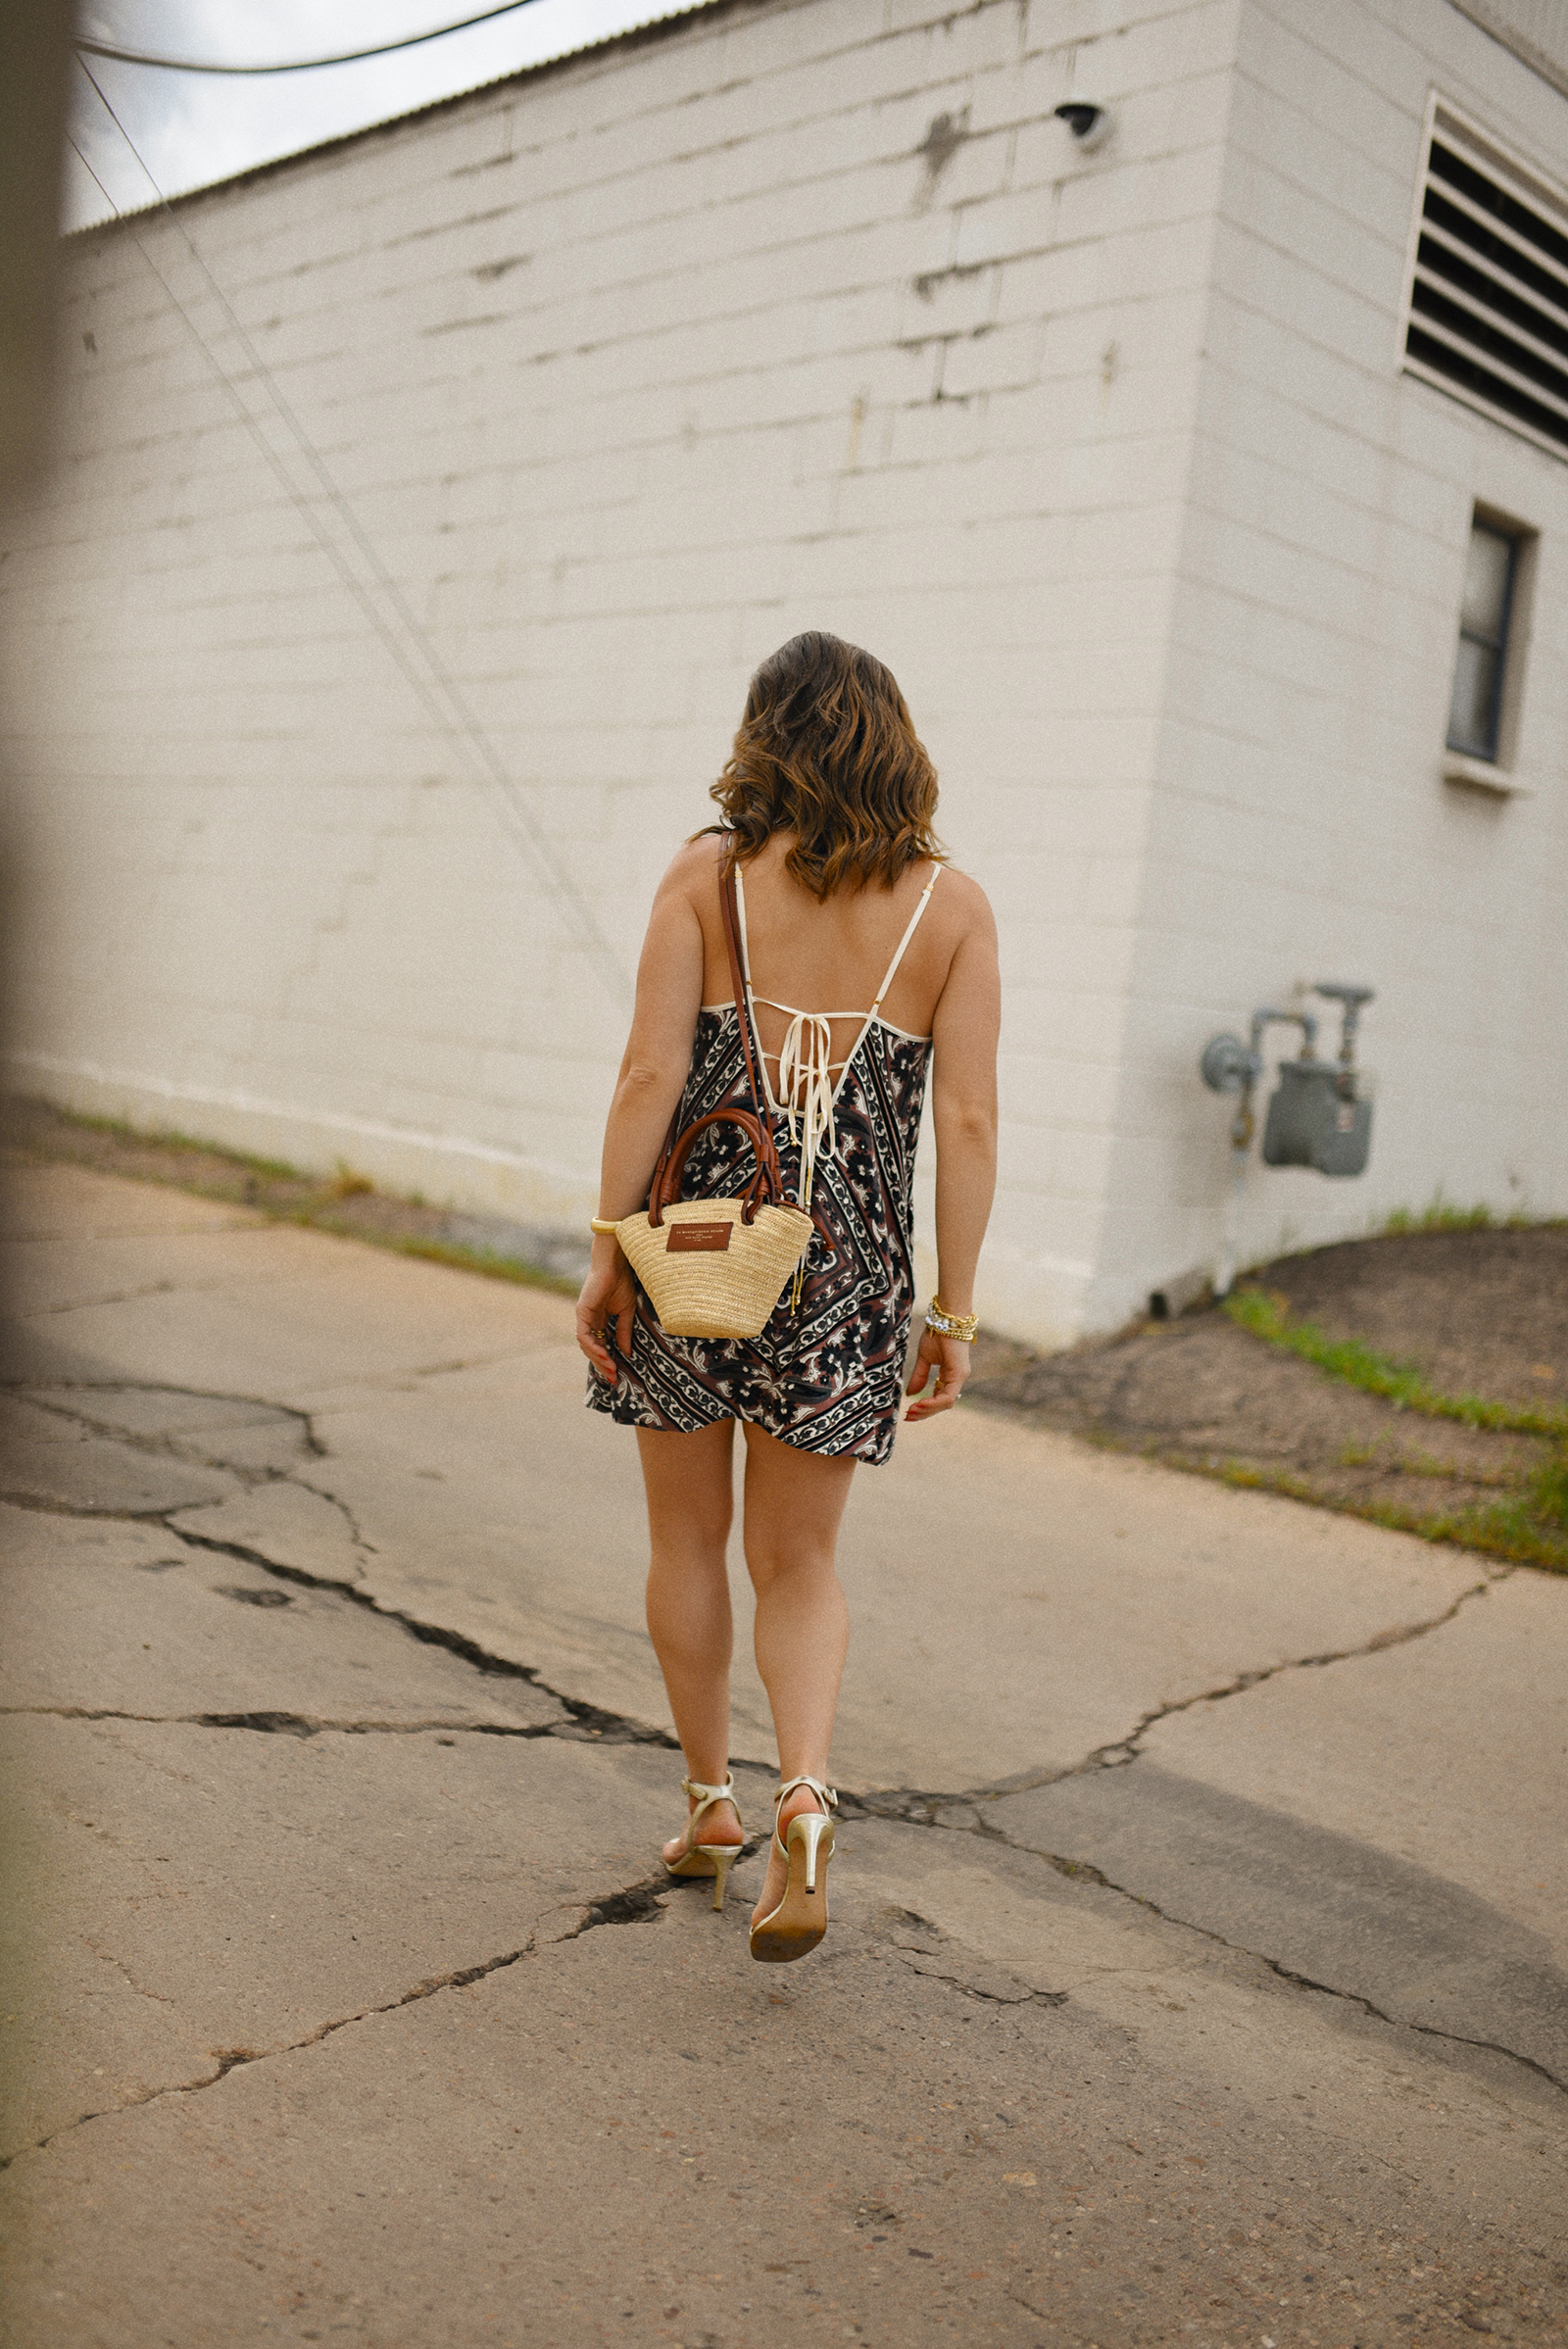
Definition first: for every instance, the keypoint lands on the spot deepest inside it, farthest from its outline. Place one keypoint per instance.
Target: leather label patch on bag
(712, 1237)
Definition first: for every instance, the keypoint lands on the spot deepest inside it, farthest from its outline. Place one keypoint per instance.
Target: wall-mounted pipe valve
(1320, 1113)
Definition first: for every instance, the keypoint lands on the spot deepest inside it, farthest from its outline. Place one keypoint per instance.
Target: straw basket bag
(716, 1268)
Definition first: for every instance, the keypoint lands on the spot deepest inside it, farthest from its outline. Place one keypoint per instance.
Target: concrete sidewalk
(1197, 1968)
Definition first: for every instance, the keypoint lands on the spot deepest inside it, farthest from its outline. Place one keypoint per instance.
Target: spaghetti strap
(888, 976)
(914, 924)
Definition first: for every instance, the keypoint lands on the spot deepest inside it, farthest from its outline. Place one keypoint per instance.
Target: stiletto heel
(806, 1831)
(708, 1859)
(799, 1920)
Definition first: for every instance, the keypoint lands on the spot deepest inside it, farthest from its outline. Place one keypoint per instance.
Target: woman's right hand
(609, 1293)
(949, 1357)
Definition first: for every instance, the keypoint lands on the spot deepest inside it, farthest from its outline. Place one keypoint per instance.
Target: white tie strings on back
(805, 1080)
(805, 1087)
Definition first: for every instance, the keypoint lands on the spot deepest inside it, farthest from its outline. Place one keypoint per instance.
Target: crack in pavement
(287, 1725)
(905, 1803)
(40, 1394)
(64, 1508)
(637, 1904)
(1127, 1750)
(614, 1729)
(586, 1720)
(232, 2059)
(367, 1549)
(641, 1903)
(919, 1806)
(511, 1353)
(120, 1297)
(182, 1446)
(1024, 1995)
(1085, 1872)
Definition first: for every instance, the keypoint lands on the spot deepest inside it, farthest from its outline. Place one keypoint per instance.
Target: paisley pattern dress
(826, 1374)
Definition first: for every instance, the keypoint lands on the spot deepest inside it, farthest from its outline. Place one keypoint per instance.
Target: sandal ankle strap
(827, 1797)
(724, 1793)
(705, 1796)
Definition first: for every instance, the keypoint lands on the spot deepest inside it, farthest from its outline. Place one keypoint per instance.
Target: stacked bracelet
(950, 1325)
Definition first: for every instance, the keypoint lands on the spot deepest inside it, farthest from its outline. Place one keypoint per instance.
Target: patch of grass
(1441, 1216)
(319, 1208)
(479, 1259)
(1529, 1529)
(1267, 1315)
(1528, 1524)
(434, 1252)
(169, 1137)
(1444, 1215)
(1421, 1463)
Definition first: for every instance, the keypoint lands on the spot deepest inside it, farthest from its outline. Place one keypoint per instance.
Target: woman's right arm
(963, 1105)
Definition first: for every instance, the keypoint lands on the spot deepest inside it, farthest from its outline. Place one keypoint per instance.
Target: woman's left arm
(653, 1076)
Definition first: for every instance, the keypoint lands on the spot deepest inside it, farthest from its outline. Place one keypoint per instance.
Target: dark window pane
(1473, 713)
(1487, 566)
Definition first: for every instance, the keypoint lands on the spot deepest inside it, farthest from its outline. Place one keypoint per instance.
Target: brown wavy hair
(827, 750)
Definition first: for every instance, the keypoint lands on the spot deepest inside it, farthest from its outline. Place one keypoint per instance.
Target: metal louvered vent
(1486, 314)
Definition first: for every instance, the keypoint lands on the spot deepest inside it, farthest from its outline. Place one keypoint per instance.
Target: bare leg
(793, 1503)
(687, 1481)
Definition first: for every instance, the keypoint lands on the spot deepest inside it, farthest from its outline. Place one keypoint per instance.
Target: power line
(457, 719)
(298, 64)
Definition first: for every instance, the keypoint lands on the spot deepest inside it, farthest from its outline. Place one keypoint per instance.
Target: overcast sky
(193, 128)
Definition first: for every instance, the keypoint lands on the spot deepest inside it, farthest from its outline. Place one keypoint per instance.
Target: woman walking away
(825, 887)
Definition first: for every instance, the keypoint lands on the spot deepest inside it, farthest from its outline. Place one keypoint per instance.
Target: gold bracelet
(602, 1224)
(962, 1326)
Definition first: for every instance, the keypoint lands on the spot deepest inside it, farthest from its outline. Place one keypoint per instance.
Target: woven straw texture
(719, 1292)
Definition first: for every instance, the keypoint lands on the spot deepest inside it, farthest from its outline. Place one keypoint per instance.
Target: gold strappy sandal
(799, 1920)
(708, 1859)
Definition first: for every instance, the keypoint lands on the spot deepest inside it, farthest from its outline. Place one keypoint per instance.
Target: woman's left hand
(609, 1293)
(949, 1357)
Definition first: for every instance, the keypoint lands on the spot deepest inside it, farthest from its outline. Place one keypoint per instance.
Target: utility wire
(297, 65)
(458, 718)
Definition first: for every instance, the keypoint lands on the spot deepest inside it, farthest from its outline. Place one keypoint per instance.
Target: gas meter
(1320, 1114)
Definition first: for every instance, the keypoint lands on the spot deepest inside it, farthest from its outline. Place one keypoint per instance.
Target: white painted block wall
(1299, 826)
(633, 367)
(630, 369)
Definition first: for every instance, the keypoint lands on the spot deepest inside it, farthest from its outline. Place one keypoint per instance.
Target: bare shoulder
(966, 906)
(693, 869)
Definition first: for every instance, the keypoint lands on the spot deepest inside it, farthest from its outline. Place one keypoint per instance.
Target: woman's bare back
(812, 956)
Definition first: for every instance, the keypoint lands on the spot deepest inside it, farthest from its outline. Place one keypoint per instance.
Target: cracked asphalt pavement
(1197, 1964)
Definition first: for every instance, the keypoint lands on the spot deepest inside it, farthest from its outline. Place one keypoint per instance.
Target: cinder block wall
(1301, 828)
(787, 315)
(795, 313)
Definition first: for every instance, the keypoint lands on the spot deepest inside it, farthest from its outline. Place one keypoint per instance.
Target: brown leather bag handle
(736, 979)
(767, 1182)
(664, 1189)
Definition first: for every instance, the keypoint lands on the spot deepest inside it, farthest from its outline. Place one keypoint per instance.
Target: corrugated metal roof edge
(635, 36)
